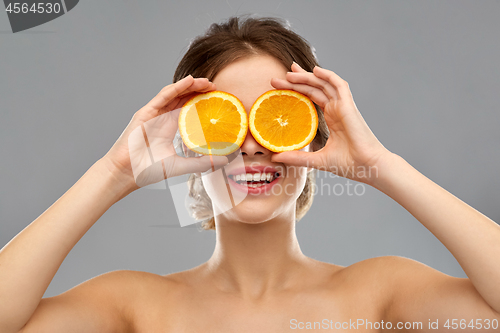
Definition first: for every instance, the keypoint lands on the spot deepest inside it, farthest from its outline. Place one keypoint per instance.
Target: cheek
(224, 197)
(295, 181)
(214, 186)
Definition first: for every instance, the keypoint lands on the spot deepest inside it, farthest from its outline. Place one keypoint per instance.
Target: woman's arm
(353, 151)
(472, 238)
(31, 259)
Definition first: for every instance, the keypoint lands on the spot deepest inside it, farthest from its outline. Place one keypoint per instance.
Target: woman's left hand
(352, 149)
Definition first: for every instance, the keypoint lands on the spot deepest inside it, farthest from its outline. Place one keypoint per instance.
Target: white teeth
(256, 177)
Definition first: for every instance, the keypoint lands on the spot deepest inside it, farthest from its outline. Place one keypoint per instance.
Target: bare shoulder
(105, 303)
(131, 284)
(138, 291)
(400, 273)
(394, 273)
(411, 290)
(386, 277)
(126, 285)
(390, 266)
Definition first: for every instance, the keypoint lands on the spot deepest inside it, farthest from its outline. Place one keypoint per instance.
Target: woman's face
(247, 79)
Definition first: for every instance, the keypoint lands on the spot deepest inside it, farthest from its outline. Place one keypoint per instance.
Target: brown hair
(234, 39)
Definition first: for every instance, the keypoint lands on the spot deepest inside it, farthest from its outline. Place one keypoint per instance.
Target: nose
(251, 147)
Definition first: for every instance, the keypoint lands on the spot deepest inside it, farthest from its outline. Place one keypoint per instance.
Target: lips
(263, 187)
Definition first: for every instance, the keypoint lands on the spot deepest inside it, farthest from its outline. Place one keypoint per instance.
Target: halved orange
(213, 123)
(283, 120)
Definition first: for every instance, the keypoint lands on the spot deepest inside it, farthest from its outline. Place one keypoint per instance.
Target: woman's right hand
(150, 135)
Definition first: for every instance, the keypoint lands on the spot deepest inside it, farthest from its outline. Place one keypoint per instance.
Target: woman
(257, 280)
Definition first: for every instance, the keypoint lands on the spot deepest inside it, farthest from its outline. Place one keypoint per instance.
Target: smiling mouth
(255, 179)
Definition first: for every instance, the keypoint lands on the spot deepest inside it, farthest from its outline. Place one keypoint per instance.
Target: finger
(313, 80)
(281, 84)
(340, 85)
(169, 92)
(182, 87)
(209, 88)
(296, 68)
(201, 163)
(298, 158)
(213, 86)
(176, 103)
(179, 101)
(200, 85)
(173, 105)
(174, 166)
(315, 94)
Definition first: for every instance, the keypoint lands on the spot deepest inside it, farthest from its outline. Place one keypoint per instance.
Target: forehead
(249, 77)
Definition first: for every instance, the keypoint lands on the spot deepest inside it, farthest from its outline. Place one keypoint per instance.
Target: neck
(255, 259)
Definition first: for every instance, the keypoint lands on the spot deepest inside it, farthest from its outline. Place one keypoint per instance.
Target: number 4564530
(477, 324)
(36, 8)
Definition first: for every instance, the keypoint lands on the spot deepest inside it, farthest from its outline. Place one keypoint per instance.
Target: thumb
(297, 158)
(203, 163)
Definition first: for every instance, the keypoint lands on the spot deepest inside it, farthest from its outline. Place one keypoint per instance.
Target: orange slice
(213, 123)
(283, 120)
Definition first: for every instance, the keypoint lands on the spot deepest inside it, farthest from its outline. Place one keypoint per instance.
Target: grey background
(424, 74)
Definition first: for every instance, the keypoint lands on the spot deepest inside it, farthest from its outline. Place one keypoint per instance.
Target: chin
(253, 218)
(252, 209)
(247, 213)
